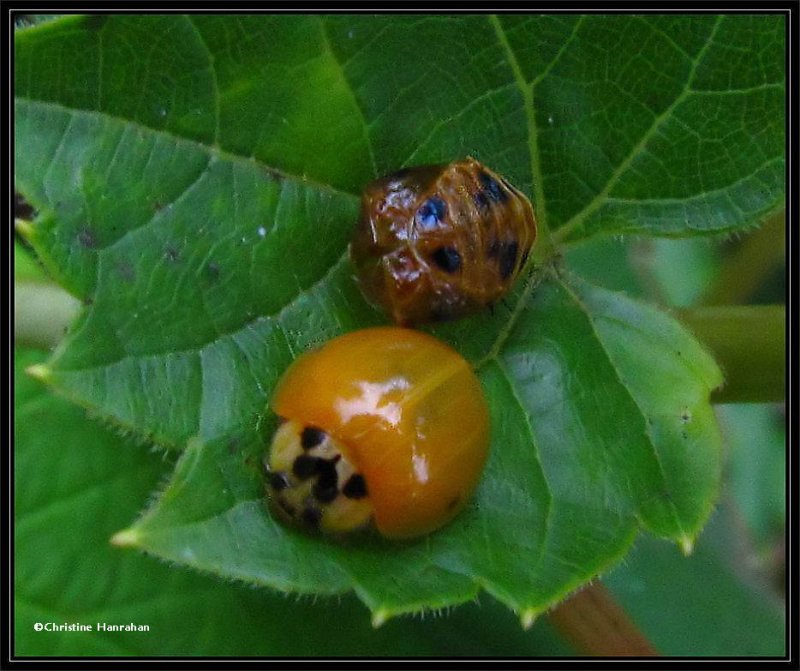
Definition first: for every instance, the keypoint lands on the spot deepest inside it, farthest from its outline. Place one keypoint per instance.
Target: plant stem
(749, 343)
(761, 253)
(597, 625)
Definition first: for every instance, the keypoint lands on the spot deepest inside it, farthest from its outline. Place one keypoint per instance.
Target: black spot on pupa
(493, 190)
(447, 258)
(507, 259)
(311, 516)
(304, 466)
(279, 481)
(355, 487)
(311, 437)
(452, 503)
(431, 213)
(481, 201)
(87, 238)
(171, 254)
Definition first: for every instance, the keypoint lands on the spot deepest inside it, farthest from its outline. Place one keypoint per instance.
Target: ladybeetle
(439, 242)
(384, 425)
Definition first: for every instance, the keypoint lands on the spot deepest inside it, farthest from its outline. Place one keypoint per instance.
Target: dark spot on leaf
(233, 446)
(95, 22)
(212, 271)
(447, 258)
(311, 437)
(355, 487)
(87, 239)
(126, 271)
(22, 208)
(88, 301)
(172, 254)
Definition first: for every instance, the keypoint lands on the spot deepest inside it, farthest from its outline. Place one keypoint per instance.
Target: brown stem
(596, 625)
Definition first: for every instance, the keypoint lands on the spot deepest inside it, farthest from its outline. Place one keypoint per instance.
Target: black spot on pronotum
(287, 507)
(493, 190)
(447, 258)
(304, 466)
(325, 494)
(311, 437)
(279, 480)
(355, 487)
(431, 212)
(311, 516)
(87, 238)
(326, 468)
(508, 259)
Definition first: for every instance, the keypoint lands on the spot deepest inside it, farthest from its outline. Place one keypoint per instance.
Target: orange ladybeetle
(383, 426)
(439, 242)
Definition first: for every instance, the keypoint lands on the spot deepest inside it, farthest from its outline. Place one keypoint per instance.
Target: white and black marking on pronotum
(308, 481)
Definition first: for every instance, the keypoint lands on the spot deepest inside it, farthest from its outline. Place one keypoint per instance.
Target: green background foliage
(196, 181)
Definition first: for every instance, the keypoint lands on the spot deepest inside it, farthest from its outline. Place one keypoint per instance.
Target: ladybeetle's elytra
(386, 426)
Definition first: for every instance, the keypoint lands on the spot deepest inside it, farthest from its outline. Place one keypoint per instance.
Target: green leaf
(197, 180)
(585, 449)
(67, 572)
(713, 604)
